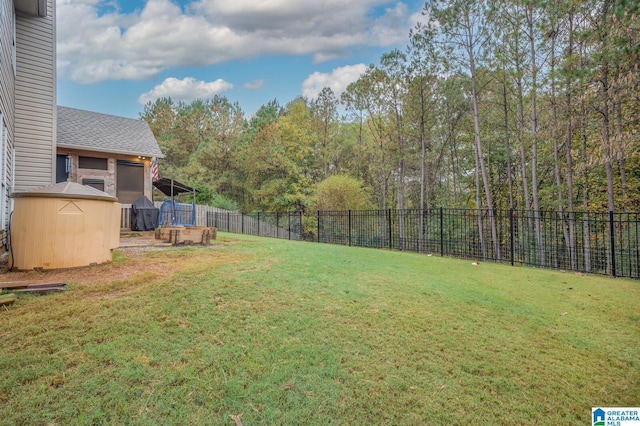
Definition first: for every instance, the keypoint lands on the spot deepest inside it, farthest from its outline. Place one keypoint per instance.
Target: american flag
(154, 171)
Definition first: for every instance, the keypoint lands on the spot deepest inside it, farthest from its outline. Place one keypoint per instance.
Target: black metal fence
(603, 243)
(287, 225)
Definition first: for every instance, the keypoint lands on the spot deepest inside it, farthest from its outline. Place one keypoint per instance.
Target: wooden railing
(125, 217)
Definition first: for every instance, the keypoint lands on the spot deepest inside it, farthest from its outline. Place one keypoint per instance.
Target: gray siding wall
(35, 100)
(7, 99)
(7, 80)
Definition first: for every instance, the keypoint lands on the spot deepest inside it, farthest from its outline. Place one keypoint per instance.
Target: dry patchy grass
(298, 333)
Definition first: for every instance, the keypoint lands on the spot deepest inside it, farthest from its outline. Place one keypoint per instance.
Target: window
(62, 173)
(94, 183)
(129, 181)
(4, 136)
(6, 165)
(93, 163)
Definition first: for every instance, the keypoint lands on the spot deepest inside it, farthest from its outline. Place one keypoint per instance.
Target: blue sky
(116, 55)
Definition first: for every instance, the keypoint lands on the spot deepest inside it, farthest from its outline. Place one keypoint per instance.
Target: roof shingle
(92, 131)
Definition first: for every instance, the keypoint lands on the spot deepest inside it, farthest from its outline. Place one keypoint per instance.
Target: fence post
(289, 223)
(441, 233)
(277, 225)
(389, 222)
(242, 222)
(228, 222)
(318, 225)
(511, 229)
(613, 244)
(349, 228)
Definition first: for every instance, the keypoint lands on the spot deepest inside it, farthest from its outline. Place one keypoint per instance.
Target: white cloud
(186, 90)
(98, 42)
(254, 85)
(337, 80)
(419, 17)
(387, 30)
(324, 57)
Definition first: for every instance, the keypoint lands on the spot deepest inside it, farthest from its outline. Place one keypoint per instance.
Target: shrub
(341, 192)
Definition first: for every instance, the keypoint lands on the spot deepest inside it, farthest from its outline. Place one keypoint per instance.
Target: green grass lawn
(298, 333)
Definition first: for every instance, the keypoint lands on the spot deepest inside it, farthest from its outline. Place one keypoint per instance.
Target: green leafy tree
(353, 98)
(341, 192)
(209, 197)
(464, 38)
(214, 162)
(324, 110)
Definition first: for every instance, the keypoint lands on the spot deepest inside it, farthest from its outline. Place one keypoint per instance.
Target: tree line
(522, 104)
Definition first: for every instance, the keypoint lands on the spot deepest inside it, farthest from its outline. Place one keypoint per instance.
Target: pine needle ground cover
(285, 333)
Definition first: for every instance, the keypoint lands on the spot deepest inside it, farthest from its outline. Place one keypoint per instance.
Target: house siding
(7, 80)
(35, 100)
(7, 110)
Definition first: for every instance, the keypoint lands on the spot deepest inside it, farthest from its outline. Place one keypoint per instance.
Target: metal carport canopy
(171, 187)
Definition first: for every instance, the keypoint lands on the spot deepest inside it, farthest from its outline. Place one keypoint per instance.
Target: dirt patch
(132, 245)
(140, 239)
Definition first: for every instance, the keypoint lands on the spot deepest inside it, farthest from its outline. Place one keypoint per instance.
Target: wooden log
(13, 284)
(41, 290)
(186, 235)
(7, 299)
(22, 284)
(165, 233)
